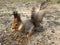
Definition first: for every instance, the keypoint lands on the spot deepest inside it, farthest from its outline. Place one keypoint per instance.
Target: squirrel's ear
(16, 15)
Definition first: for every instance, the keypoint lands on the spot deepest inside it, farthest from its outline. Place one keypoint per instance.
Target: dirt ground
(48, 35)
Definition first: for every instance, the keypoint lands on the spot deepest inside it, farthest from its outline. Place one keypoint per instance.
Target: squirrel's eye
(16, 24)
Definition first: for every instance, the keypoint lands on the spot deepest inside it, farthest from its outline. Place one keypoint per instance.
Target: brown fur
(44, 4)
(36, 17)
(17, 21)
(18, 25)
